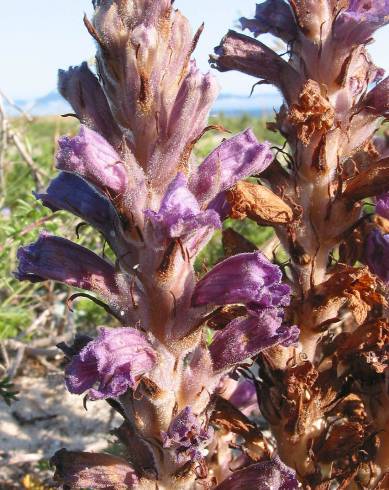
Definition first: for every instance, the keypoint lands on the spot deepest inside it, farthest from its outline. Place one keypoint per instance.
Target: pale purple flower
(245, 278)
(378, 98)
(237, 158)
(245, 337)
(58, 259)
(244, 395)
(81, 88)
(186, 436)
(356, 24)
(91, 156)
(271, 475)
(179, 215)
(376, 254)
(114, 361)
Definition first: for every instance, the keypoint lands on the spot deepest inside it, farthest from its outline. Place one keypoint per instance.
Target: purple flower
(82, 90)
(179, 215)
(272, 475)
(58, 259)
(72, 193)
(91, 156)
(186, 436)
(356, 24)
(248, 278)
(245, 337)
(244, 395)
(235, 159)
(382, 206)
(115, 361)
(376, 254)
(275, 17)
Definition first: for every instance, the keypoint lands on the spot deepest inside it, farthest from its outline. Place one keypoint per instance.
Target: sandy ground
(44, 419)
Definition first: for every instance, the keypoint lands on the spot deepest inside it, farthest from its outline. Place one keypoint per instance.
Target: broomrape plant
(186, 405)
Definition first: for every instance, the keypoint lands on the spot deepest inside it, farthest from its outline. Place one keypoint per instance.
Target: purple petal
(180, 214)
(186, 436)
(357, 24)
(244, 395)
(72, 193)
(55, 258)
(269, 474)
(382, 206)
(235, 159)
(82, 90)
(376, 254)
(91, 156)
(244, 278)
(275, 17)
(115, 360)
(246, 337)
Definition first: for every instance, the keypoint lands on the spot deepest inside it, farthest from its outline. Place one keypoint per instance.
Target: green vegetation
(21, 218)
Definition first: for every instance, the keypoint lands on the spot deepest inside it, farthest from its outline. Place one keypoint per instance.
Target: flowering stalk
(326, 401)
(130, 174)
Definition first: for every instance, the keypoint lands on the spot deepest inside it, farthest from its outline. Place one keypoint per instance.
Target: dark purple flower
(114, 361)
(245, 337)
(186, 436)
(275, 17)
(72, 193)
(80, 87)
(93, 470)
(272, 475)
(237, 158)
(58, 259)
(245, 278)
(180, 215)
(357, 24)
(377, 254)
(382, 206)
(91, 156)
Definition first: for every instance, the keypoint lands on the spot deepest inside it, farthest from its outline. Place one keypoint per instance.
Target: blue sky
(38, 37)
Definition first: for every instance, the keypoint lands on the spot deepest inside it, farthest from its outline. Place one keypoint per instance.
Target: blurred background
(36, 39)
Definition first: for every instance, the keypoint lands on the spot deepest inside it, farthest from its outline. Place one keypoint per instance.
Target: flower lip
(115, 361)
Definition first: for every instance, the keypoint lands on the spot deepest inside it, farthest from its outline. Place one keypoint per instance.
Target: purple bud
(244, 278)
(180, 215)
(58, 259)
(91, 156)
(245, 337)
(275, 17)
(237, 158)
(115, 361)
(71, 193)
(82, 90)
(357, 24)
(269, 474)
(382, 206)
(377, 254)
(91, 470)
(186, 436)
